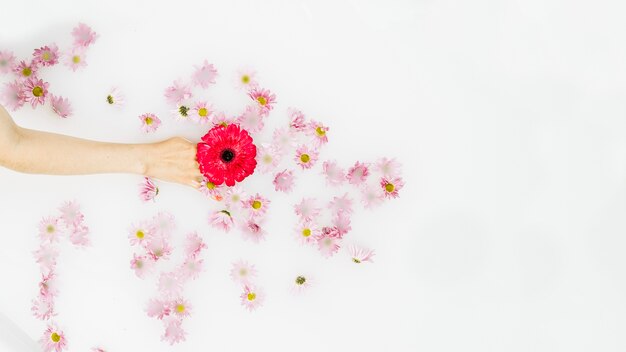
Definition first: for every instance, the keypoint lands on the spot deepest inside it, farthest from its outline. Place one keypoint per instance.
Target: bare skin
(36, 152)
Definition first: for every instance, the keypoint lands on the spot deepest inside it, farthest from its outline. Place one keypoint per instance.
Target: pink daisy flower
(170, 285)
(75, 59)
(234, 196)
(252, 297)
(341, 221)
(307, 209)
(174, 332)
(194, 245)
(246, 79)
(264, 98)
(47, 286)
(372, 196)
(53, 339)
(61, 106)
(389, 168)
(283, 139)
(115, 98)
(46, 257)
(220, 118)
(47, 55)
(222, 220)
(49, 229)
(71, 214)
(391, 186)
(84, 35)
(182, 111)
(209, 189)
(13, 95)
(35, 91)
(140, 234)
(163, 224)
(148, 190)
(177, 92)
(267, 158)
(43, 307)
(158, 248)
(251, 119)
(202, 113)
(204, 75)
(24, 70)
(301, 284)
(306, 157)
(191, 268)
(297, 120)
(242, 272)
(341, 204)
(328, 245)
(318, 131)
(158, 309)
(181, 307)
(284, 181)
(257, 204)
(252, 230)
(358, 173)
(335, 175)
(78, 235)
(306, 232)
(7, 61)
(142, 265)
(360, 255)
(149, 122)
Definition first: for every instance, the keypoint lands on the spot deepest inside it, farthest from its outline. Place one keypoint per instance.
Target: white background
(509, 118)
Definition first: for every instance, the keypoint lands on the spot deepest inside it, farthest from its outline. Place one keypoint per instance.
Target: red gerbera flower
(226, 155)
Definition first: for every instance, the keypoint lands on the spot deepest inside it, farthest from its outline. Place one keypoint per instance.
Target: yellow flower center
(243, 272)
(140, 234)
(320, 132)
(305, 158)
(210, 185)
(262, 100)
(149, 121)
(390, 187)
(251, 296)
(300, 280)
(256, 204)
(76, 59)
(180, 308)
(45, 56)
(267, 159)
(37, 91)
(223, 124)
(27, 71)
(139, 264)
(245, 79)
(306, 232)
(110, 99)
(55, 337)
(50, 229)
(356, 260)
(203, 112)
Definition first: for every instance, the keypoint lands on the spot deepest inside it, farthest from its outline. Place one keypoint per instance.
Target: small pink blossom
(335, 175)
(170, 285)
(35, 91)
(246, 79)
(251, 119)
(47, 55)
(267, 158)
(181, 307)
(257, 204)
(242, 272)
(318, 131)
(220, 118)
(158, 248)
(43, 307)
(297, 121)
(191, 268)
(49, 229)
(174, 332)
(283, 139)
(47, 285)
(234, 196)
(75, 59)
(71, 214)
(46, 257)
(61, 106)
(264, 98)
(284, 181)
(358, 173)
(177, 93)
(251, 230)
(84, 35)
(194, 245)
(209, 189)
(202, 113)
(341, 222)
(360, 254)
(149, 122)
(53, 339)
(139, 234)
(306, 232)
(7, 61)
(391, 186)
(26, 70)
(306, 157)
(328, 245)
(78, 235)
(158, 309)
(115, 98)
(252, 297)
(148, 190)
(222, 220)
(182, 112)
(301, 284)
(341, 204)
(204, 75)
(307, 209)
(13, 95)
(142, 265)
(389, 168)
(372, 196)
(163, 224)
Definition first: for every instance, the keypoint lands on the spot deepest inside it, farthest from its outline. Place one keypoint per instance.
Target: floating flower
(301, 284)
(75, 59)
(193, 245)
(61, 106)
(318, 131)
(209, 189)
(174, 332)
(391, 186)
(181, 307)
(204, 75)
(264, 98)
(149, 122)
(182, 112)
(341, 222)
(157, 308)
(388, 167)
(252, 297)
(49, 229)
(84, 35)
(242, 272)
(306, 232)
(251, 119)
(283, 181)
(358, 173)
(13, 95)
(226, 155)
(252, 230)
(246, 79)
(24, 70)
(305, 157)
(115, 98)
(360, 255)
(35, 91)
(191, 268)
(140, 234)
(7, 61)
(170, 285)
(328, 245)
(222, 220)
(283, 139)
(158, 248)
(372, 196)
(257, 204)
(335, 175)
(202, 113)
(78, 235)
(307, 209)
(147, 189)
(297, 120)
(46, 257)
(163, 224)
(234, 196)
(53, 339)
(71, 214)
(221, 119)
(341, 204)
(177, 92)
(267, 158)
(43, 307)
(47, 55)
(142, 265)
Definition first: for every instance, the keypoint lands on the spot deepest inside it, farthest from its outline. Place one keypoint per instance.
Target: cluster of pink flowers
(68, 222)
(28, 88)
(153, 240)
(244, 274)
(247, 212)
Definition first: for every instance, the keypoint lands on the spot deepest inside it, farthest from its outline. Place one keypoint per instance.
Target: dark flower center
(227, 155)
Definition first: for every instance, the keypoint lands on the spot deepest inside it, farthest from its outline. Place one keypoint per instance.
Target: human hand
(172, 160)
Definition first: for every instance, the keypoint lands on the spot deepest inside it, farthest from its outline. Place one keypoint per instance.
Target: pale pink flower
(243, 272)
(177, 92)
(115, 98)
(267, 158)
(284, 181)
(147, 189)
(264, 98)
(49, 229)
(330, 231)
(170, 284)
(252, 297)
(191, 268)
(209, 189)
(297, 121)
(47, 55)
(202, 113)
(47, 285)
(246, 79)
(181, 307)
(163, 224)
(141, 233)
(257, 204)
(75, 59)
(251, 230)
(307, 209)
(341, 221)
(234, 196)
(158, 309)
(71, 214)
(182, 112)
(221, 219)
(46, 257)
(26, 70)
(7, 61)
(389, 168)
(43, 307)
(283, 139)
(149, 122)
(204, 75)
(194, 245)
(306, 157)
(360, 254)
(335, 175)
(142, 265)
(318, 131)
(358, 173)
(78, 235)
(301, 284)
(306, 232)
(251, 119)
(61, 106)
(328, 245)
(174, 332)
(391, 186)
(339, 204)
(13, 95)
(84, 35)
(35, 91)
(372, 196)
(53, 339)
(158, 248)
